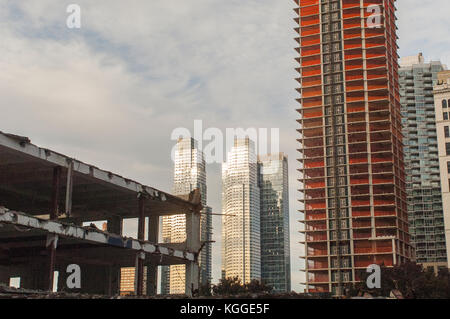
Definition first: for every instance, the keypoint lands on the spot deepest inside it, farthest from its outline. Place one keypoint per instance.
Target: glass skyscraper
(190, 173)
(425, 214)
(274, 201)
(241, 246)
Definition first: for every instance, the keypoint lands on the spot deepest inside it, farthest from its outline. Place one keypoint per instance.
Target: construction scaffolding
(46, 197)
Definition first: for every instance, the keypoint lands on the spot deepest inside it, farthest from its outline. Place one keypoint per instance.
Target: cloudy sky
(112, 92)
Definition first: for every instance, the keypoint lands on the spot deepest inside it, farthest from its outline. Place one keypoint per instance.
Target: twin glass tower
(255, 207)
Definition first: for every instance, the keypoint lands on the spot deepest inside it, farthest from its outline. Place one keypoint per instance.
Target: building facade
(423, 183)
(442, 105)
(241, 241)
(189, 174)
(352, 166)
(274, 201)
(128, 281)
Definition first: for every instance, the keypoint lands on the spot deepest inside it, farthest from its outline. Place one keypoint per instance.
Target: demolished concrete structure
(45, 197)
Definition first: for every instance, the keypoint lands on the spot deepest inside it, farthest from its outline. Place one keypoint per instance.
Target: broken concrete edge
(23, 145)
(90, 234)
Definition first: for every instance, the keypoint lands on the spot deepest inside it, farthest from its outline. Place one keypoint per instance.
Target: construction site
(48, 203)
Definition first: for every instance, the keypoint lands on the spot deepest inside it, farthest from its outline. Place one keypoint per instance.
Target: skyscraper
(423, 184)
(274, 200)
(128, 281)
(241, 246)
(442, 107)
(352, 169)
(189, 174)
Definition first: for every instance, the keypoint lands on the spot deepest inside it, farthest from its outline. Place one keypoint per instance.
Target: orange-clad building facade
(351, 163)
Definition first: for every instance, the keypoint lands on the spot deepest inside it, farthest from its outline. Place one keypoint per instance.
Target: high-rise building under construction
(352, 169)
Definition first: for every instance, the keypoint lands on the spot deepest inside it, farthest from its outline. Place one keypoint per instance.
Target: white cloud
(111, 92)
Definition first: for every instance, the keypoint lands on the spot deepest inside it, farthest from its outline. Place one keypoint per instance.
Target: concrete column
(152, 268)
(193, 244)
(52, 240)
(192, 278)
(139, 274)
(55, 192)
(153, 229)
(114, 226)
(139, 269)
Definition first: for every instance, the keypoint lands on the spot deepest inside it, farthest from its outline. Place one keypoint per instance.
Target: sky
(112, 92)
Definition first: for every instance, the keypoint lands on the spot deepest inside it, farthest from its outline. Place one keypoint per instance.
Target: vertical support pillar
(69, 188)
(114, 226)
(51, 244)
(52, 240)
(140, 261)
(55, 192)
(152, 267)
(193, 244)
(139, 278)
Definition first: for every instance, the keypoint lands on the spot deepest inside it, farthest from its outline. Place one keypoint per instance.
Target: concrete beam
(91, 235)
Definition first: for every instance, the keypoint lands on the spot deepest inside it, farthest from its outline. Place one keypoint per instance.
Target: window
(336, 57)
(448, 167)
(447, 131)
(446, 116)
(444, 104)
(447, 148)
